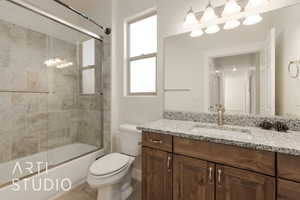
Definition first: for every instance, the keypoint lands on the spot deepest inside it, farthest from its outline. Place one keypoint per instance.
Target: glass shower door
(50, 95)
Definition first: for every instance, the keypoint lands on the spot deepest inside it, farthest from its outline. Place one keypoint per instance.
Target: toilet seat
(109, 165)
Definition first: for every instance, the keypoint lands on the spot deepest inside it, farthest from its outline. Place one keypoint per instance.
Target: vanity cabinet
(184, 169)
(194, 179)
(288, 190)
(237, 184)
(288, 167)
(288, 172)
(157, 174)
(258, 161)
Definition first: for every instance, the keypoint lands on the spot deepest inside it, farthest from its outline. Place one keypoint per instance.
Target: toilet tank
(129, 139)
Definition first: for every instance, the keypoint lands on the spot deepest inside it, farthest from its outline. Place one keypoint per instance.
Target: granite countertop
(256, 138)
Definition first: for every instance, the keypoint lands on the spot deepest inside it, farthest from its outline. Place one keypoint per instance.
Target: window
(88, 69)
(141, 56)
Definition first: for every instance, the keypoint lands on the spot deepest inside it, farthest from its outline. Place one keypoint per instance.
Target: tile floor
(81, 192)
(84, 192)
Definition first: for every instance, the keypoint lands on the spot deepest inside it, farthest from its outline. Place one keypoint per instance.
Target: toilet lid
(109, 164)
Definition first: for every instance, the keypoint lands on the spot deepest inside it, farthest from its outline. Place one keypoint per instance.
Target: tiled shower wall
(41, 108)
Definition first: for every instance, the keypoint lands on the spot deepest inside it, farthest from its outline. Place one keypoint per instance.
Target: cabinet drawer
(158, 141)
(288, 190)
(288, 167)
(259, 161)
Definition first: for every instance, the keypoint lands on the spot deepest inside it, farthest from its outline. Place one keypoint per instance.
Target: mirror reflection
(246, 70)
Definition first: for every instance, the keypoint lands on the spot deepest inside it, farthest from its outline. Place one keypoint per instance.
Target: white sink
(225, 131)
(223, 127)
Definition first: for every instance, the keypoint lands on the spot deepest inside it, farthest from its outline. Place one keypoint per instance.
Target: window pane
(88, 53)
(143, 36)
(88, 81)
(143, 76)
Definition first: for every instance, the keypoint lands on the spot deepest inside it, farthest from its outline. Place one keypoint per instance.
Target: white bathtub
(75, 171)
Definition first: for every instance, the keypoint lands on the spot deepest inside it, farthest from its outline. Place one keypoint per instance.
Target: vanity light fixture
(253, 4)
(253, 19)
(232, 24)
(209, 14)
(190, 18)
(212, 29)
(231, 8)
(196, 32)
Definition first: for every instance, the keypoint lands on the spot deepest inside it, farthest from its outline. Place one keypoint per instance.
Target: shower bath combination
(53, 87)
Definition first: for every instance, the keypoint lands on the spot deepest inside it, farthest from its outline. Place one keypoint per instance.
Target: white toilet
(111, 174)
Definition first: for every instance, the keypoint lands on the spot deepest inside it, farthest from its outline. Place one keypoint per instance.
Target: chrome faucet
(220, 109)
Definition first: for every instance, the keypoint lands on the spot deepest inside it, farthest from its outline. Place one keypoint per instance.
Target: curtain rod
(54, 18)
(106, 30)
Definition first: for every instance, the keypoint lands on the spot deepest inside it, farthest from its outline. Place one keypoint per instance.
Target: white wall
(133, 110)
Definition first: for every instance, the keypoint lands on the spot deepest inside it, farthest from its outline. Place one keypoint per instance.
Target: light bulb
(212, 29)
(252, 19)
(196, 33)
(190, 18)
(53, 61)
(209, 14)
(231, 24)
(252, 4)
(231, 8)
(64, 65)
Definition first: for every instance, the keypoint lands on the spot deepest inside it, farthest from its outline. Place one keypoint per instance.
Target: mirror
(245, 69)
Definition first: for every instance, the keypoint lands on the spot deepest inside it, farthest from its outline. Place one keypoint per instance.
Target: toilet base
(110, 192)
(115, 192)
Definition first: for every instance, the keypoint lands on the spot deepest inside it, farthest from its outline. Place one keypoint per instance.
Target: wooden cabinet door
(236, 184)
(193, 179)
(156, 174)
(288, 190)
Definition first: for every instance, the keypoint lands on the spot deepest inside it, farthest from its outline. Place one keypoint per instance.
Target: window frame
(140, 57)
